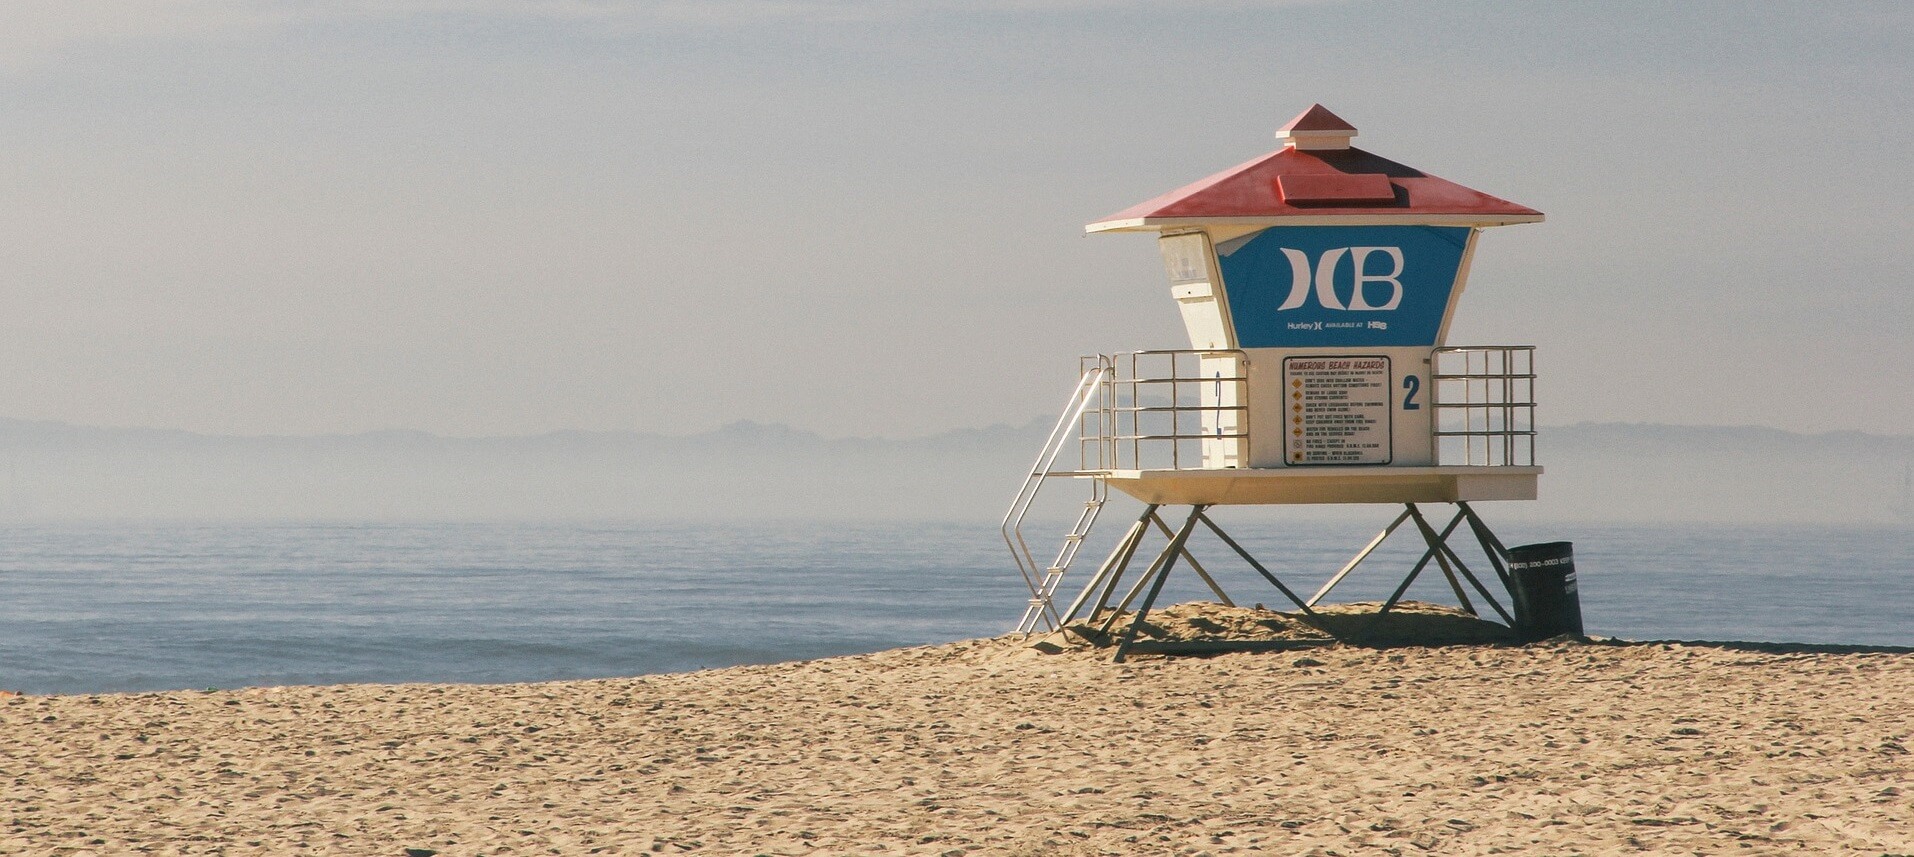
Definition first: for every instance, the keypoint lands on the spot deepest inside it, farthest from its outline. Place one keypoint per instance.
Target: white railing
(1189, 410)
(1484, 402)
(1042, 580)
(1167, 410)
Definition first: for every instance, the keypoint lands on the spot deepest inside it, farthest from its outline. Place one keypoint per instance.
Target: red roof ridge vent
(1316, 130)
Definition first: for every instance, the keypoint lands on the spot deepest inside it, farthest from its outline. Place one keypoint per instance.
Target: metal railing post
(1494, 420)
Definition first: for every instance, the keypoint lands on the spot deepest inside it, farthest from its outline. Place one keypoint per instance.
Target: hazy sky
(865, 218)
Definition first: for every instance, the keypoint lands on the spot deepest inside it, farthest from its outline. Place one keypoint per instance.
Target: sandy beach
(993, 747)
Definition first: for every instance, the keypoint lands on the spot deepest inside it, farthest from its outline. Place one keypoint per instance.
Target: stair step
(1089, 390)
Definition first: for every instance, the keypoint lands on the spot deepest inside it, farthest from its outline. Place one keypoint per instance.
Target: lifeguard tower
(1316, 284)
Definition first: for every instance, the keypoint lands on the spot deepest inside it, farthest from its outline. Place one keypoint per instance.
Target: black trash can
(1547, 603)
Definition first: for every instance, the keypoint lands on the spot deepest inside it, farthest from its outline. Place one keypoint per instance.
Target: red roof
(1324, 185)
(1317, 118)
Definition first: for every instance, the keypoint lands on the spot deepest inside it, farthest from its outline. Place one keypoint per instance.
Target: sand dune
(992, 747)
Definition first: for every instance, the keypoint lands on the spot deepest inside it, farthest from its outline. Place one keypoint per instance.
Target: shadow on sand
(1208, 628)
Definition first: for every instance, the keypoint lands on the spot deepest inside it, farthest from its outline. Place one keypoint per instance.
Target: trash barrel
(1547, 602)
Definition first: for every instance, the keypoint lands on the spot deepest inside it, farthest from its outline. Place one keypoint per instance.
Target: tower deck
(1257, 486)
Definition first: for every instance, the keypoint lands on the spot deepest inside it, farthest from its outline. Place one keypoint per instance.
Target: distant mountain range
(1650, 472)
(1615, 472)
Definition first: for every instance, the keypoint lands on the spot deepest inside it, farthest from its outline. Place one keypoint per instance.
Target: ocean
(119, 607)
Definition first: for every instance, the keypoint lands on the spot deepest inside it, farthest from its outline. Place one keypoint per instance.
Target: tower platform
(1295, 485)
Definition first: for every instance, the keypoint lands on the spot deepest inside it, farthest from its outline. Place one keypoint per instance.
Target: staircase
(1044, 579)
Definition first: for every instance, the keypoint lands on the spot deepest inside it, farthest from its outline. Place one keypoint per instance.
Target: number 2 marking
(1412, 384)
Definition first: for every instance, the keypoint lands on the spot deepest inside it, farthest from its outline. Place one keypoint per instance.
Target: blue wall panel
(1341, 286)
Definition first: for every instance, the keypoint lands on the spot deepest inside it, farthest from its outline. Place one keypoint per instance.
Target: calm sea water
(143, 606)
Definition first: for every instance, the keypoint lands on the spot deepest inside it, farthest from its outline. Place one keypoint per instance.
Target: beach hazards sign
(1337, 410)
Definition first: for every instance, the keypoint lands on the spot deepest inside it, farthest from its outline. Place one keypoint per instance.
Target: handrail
(1484, 413)
(1012, 525)
(1147, 398)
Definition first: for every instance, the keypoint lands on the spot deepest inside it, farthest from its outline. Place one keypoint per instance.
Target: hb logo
(1323, 278)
